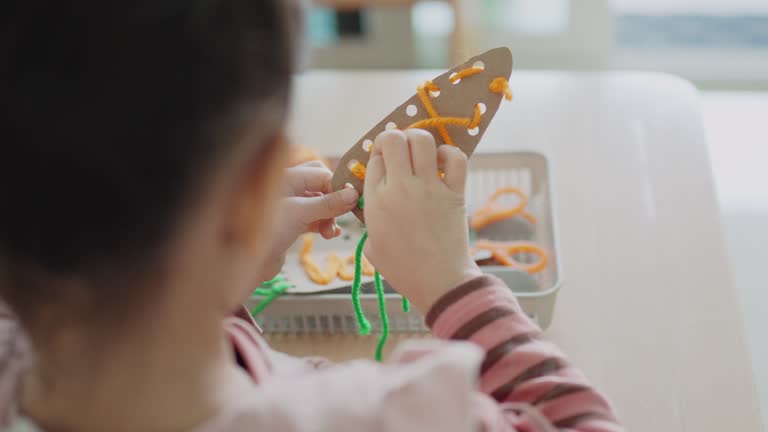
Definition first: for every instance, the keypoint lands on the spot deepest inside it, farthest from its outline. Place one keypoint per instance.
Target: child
(138, 171)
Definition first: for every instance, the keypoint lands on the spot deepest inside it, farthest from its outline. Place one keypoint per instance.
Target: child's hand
(309, 205)
(417, 220)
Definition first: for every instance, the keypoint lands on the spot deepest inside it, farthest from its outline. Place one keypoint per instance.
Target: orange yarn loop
(504, 253)
(492, 213)
(335, 266)
(312, 269)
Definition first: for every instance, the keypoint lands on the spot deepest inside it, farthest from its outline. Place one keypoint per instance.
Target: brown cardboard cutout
(454, 100)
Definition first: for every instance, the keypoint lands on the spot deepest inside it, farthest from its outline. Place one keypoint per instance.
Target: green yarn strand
(406, 305)
(264, 303)
(270, 290)
(364, 326)
(383, 314)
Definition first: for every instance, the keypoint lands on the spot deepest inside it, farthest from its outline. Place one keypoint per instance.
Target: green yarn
(262, 292)
(382, 314)
(274, 288)
(270, 290)
(264, 303)
(363, 324)
(406, 305)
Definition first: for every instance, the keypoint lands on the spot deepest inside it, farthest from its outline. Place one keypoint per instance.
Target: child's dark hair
(116, 112)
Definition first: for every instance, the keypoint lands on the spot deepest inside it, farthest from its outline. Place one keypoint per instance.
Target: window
(722, 43)
(713, 42)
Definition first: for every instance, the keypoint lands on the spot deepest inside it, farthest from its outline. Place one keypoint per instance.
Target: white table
(648, 309)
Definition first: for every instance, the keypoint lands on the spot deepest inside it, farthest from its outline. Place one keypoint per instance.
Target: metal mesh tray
(331, 311)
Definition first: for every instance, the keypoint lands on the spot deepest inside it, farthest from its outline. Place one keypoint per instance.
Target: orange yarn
(348, 275)
(439, 121)
(443, 121)
(431, 87)
(491, 213)
(358, 170)
(422, 92)
(498, 85)
(468, 72)
(335, 266)
(501, 85)
(477, 116)
(344, 273)
(504, 253)
(313, 270)
(367, 267)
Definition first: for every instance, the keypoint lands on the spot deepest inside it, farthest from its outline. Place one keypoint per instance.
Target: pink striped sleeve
(251, 352)
(530, 383)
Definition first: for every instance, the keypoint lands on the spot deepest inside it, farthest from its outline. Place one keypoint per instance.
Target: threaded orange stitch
(468, 72)
(432, 113)
(476, 119)
(431, 87)
(440, 121)
(358, 170)
(501, 85)
(457, 121)
(498, 85)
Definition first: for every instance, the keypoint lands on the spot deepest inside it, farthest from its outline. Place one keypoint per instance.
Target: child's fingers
(313, 163)
(423, 153)
(328, 229)
(454, 164)
(375, 170)
(397, 155)
(307, 178)
(327, 206)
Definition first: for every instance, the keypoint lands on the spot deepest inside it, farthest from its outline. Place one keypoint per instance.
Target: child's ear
(257, 194)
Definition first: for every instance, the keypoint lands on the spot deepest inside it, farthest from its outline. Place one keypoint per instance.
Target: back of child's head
(116, 115)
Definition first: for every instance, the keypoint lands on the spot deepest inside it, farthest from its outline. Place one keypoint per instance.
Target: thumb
(326, 206)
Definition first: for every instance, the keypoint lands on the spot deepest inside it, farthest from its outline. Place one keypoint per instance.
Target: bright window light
(531, 17)
(432, 19)
(714, 7)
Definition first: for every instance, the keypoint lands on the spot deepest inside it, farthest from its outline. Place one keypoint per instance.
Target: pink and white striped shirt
(525, 384)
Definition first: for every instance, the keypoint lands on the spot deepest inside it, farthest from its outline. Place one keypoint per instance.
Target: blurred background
(721, 46)
(717, 44)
